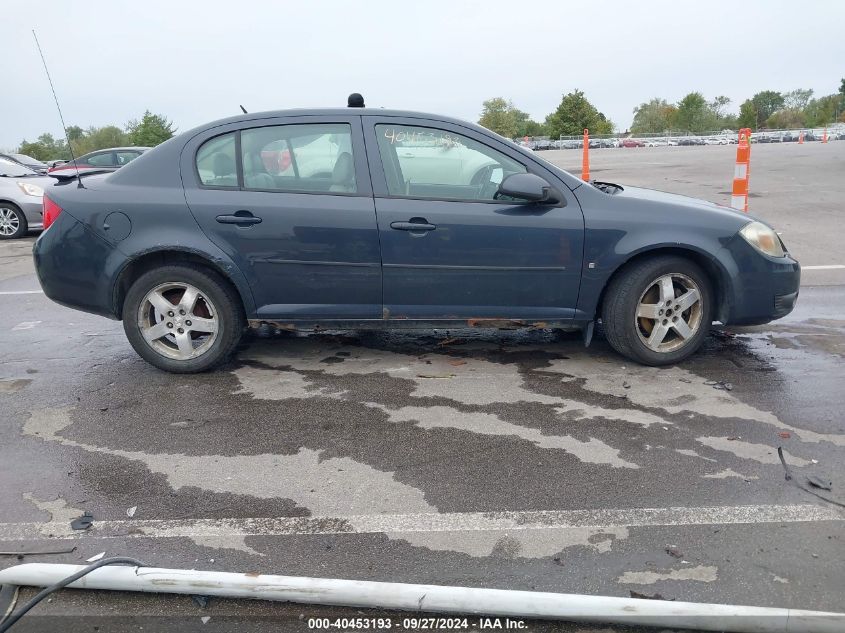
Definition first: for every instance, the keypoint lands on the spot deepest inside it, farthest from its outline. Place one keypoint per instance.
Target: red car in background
(632, 142)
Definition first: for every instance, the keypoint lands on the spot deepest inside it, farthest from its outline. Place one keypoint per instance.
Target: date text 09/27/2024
(417, 624)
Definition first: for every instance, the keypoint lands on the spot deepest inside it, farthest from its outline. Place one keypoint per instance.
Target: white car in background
(21, 191)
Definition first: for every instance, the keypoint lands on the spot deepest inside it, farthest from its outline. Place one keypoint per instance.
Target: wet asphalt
(506, 459)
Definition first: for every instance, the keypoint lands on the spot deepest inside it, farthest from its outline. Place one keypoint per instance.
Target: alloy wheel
(9, 221)
(178, 321)
(669, 312)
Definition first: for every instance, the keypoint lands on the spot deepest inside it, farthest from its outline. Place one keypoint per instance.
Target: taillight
(50, 211)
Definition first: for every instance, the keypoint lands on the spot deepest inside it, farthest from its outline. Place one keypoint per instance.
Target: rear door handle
(415, 224)
(242, 218)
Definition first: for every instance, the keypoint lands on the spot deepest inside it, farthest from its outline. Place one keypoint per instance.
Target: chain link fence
(680, 137)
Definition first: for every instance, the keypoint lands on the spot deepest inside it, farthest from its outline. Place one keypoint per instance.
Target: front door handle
(241, 218)
(414, 224)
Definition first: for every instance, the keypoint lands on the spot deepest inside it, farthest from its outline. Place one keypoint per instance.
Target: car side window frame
(359, 153)
(377, 168)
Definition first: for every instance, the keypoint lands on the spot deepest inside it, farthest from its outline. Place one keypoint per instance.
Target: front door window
(430, 163)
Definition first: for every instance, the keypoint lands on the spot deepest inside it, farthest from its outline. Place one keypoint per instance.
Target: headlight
(763, 238)
(30, 189)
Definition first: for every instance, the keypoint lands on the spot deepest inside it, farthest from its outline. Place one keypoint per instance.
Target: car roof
(116, 149)
(380, 112)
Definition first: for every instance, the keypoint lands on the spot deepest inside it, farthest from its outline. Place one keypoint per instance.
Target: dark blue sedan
(358, 218)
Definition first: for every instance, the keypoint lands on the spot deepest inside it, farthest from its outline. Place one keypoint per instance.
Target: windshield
(27, 160)
(13, 169)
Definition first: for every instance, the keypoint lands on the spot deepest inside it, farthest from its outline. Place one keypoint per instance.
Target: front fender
(619, 230)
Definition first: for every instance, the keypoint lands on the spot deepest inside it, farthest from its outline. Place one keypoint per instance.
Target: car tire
(13, 222)
(199, 330)
(654, 322)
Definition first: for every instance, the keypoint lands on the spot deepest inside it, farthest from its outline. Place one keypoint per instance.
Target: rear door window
(126, 156)
(306, 158)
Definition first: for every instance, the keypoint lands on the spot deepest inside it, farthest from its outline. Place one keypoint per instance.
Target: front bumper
(764, 288)
(32, 209)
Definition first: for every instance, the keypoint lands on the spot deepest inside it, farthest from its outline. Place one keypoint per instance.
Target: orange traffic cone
(739, 194)
(801, 138)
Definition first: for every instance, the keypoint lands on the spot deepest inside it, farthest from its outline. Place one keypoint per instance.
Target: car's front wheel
(12, 221)
(183, 319)
(658, 311)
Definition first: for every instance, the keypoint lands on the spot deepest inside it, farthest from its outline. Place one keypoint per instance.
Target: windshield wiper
(607, 187)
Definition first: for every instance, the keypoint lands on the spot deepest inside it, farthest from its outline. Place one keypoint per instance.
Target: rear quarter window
(216, 162)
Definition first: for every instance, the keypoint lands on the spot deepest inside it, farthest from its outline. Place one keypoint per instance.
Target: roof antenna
(243, 109)
(355, 100)
(59, 108)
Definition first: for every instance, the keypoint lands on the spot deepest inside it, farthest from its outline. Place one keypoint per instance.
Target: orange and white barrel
(585, 160)
(739, 193)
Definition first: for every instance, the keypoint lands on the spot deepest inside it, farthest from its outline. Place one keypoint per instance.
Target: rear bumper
(70, 262)
(764, 288)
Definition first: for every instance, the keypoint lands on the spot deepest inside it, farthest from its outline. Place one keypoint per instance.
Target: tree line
(148, 131)
(570, 118)
(693, 114)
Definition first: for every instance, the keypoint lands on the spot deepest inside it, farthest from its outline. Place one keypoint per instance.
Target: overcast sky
(196, 61)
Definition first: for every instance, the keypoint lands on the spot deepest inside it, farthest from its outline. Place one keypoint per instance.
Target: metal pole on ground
(435, 598)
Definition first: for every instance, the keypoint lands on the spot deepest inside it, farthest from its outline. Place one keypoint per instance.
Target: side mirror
(527, 187)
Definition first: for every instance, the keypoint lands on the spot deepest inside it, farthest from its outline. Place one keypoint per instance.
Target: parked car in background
(655, 142)
(54, 163)
(542, 144)
(21, 191)
(632, 142)
(401, 219)
(102, 160)
(27, 161)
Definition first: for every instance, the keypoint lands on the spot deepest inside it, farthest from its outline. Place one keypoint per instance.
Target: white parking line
(829, 267)
(22, 292)
(423, 523)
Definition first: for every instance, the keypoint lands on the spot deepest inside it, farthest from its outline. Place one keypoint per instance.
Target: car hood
(677, 200)
(7, 184)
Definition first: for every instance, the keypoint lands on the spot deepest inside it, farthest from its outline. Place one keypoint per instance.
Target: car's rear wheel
(12, 221)
(658, 311)
(183, 319)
